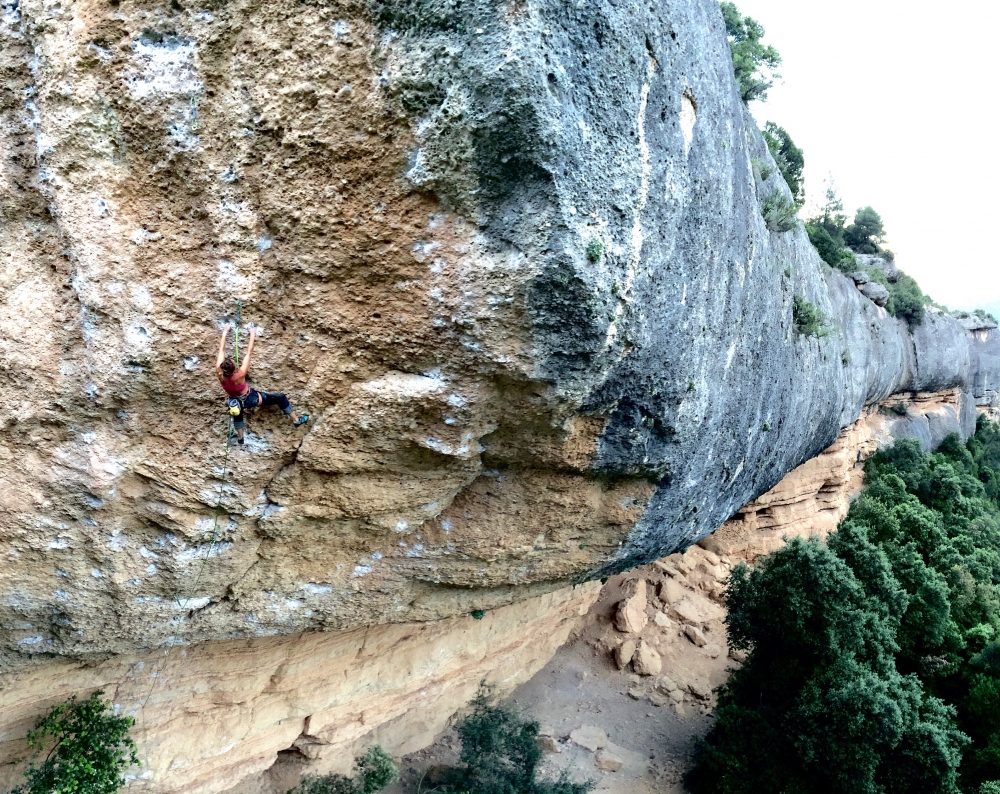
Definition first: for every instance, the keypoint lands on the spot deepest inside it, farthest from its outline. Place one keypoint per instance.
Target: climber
(241, 396)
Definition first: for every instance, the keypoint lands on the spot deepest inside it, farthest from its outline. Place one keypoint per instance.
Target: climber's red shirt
(236, 386)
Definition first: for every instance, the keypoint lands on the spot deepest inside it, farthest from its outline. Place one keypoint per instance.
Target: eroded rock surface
(510, 257)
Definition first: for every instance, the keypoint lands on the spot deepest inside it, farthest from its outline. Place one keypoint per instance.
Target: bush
(788, 157)
(595, 248)
(873, 659)
(90, 749)
(779, 212)
(500, 752)
(374, 771)
(807, 320)
(753, 62)
(829, 251)
(906, 301)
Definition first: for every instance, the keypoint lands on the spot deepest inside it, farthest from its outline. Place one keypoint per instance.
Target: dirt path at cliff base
(652, 722)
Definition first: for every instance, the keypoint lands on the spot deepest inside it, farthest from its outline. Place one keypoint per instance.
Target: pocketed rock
(609, 758)
(590, 737)
(624, 653)
(630, 616)
(696, 635)
(646, 660)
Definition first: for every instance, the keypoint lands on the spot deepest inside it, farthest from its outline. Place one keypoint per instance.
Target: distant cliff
(510, 257)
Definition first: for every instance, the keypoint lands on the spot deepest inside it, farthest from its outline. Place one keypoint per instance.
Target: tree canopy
(789, 159)
(873, 659)
(753, 61)
(865, 234)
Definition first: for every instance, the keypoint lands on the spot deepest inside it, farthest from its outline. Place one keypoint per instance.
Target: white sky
(899, 101)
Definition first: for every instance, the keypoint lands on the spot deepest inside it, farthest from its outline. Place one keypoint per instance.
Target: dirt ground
(651, 727)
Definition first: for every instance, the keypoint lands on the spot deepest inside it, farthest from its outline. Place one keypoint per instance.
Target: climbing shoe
(302, 420)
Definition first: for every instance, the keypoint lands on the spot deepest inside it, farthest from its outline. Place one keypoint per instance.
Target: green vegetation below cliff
(874, 661)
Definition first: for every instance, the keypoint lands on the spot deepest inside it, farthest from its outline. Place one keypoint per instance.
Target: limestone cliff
(509, 256)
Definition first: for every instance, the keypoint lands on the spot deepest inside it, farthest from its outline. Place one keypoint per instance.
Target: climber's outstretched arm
(245, 367)
(222, 348)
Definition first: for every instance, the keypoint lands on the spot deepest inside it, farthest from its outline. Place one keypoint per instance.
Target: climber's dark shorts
(259, 399)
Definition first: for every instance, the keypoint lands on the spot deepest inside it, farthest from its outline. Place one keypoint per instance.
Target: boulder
(699, 689)
(590, 737)
(666, 684)
(696, 635)
(646, 660)
(697, 609)
(860, 277)
(624, 653)
(548, 744)
(609, 759)
(671, 591)
(630, 614)
(876, 293)
(661, 620)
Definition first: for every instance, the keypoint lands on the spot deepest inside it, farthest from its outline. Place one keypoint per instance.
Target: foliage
(873, 659)
(753, 62)
(789, 159)
(500, 752)
(906, 300)
(865, 234)
(829, 251)
(779, 212)
(373, 772)
(807, 320)
(826, 233)
(595, 248)
(90, 751)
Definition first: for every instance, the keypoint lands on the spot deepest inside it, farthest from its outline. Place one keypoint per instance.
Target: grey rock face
(682, 334)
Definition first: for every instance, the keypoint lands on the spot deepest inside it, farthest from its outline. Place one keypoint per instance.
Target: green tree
(788, 157)
(88, 749)
(753, 61)
(874, 659)
(865, 234)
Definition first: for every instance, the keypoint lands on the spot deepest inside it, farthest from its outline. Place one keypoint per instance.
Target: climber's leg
(281, 401)
(239, 418)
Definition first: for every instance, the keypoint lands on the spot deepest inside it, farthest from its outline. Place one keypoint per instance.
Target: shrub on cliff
(829, 251)
(753, 62)
(788, 157)
(874, 659)
(779, 212)
(87, 749)
(373, 772)
(807, 320)
(906, 300)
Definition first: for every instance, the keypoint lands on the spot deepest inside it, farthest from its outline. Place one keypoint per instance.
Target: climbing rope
(230, 431)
